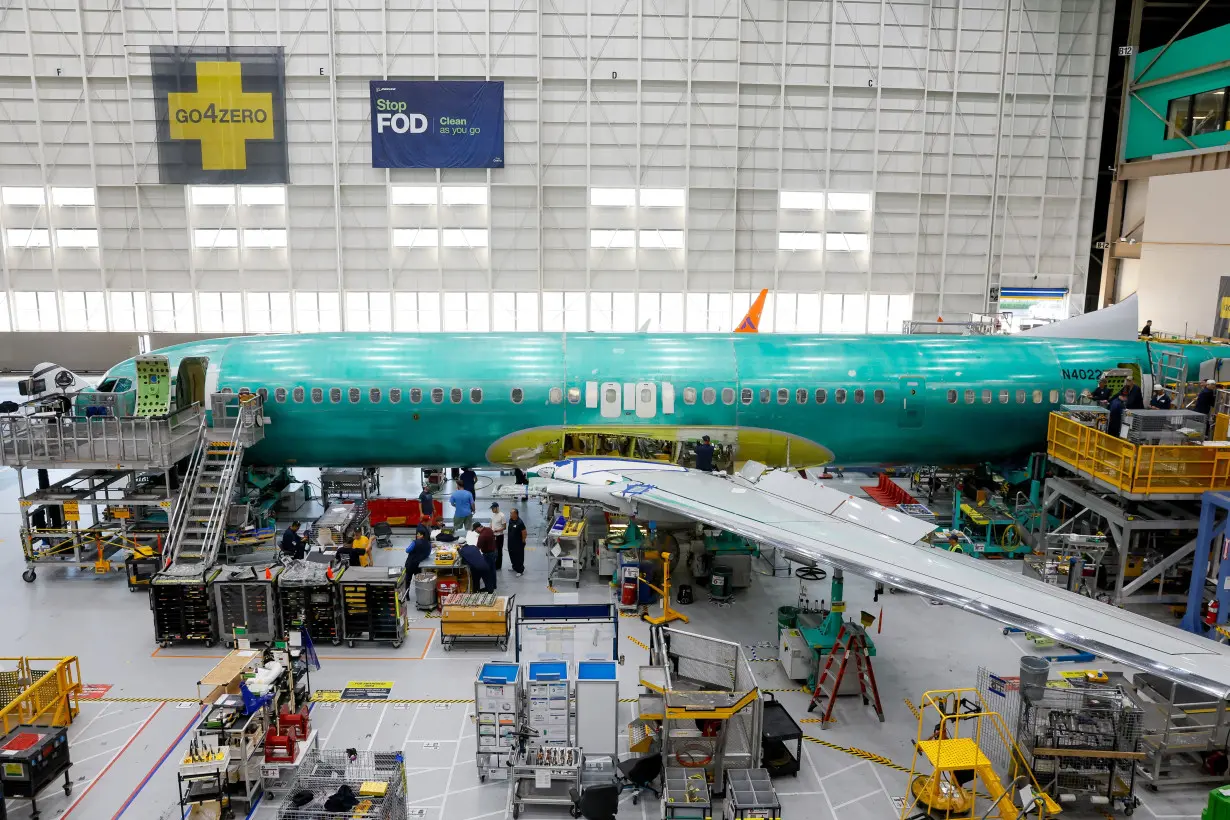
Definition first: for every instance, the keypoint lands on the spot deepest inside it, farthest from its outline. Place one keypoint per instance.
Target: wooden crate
(476, 620)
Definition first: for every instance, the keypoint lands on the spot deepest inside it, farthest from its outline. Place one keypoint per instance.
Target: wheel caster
(516, 811)
(621, 660)
(165, 644)
(574, 811)
(210, 643)
(397, 644)
(350, 644)
(68, 789)
(28, 576)
(636, 798)
(448, 647)
(335, 641)
(1127, 810)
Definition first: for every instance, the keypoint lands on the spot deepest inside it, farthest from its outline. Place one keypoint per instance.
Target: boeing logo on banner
(418, 124)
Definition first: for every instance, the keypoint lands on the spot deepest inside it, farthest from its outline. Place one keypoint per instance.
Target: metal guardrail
(48, 440)
(39, 697)
(1185, 470)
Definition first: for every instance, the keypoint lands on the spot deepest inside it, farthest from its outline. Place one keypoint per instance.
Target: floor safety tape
(335, 699)
(623, 614)
(639, 643)
(798, 689)
(909, 704)
(142, 700)
(862, 754)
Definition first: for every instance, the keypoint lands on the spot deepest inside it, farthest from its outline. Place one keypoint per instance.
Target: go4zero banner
(421, 124)
(221, 115)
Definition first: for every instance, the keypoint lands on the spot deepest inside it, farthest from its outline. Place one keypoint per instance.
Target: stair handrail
(183, 502)
(215, 526)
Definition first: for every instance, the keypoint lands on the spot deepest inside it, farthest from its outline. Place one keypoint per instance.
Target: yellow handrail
(40, 697)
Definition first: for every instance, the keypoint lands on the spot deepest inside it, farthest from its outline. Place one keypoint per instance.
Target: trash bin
(719, 583)
(1034, 672)
(787, 618)
(425, 590)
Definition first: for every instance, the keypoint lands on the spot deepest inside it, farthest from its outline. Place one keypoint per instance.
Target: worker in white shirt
(499, 523)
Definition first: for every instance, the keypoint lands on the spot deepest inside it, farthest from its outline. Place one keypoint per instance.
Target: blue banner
(418, 124)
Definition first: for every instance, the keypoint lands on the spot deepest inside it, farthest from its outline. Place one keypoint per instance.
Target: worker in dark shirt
(1114, 424)
(293, 545)
(427, 504)
(516, 541)
(1147, 330)
(351, 555)
(1101, 393)
(480, 568)
(1206, 398)
(468, 479)
(1160, 400)
(1135, 399)
(486, 542)
(704, 455)
(417, 553)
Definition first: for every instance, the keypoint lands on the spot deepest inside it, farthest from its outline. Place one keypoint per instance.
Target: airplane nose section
(542, 471)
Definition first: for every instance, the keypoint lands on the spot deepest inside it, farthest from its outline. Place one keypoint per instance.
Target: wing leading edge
(810, 523)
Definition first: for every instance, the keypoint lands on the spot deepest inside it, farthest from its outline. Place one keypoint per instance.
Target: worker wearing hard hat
(1160, 400)
(1206, 398)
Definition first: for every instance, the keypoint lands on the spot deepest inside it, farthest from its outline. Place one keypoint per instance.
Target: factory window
(800, 396)
(1202, 113)
(1020, 397)
(986, 396)
(839, 395)
(437, 395)
(416, 395)
(318, 395)
(518, 395)
(335, 395)
(708, 395)
(373, 395)
(1037, 397)
(952, 396)
(859, 394)
(556, 395)
(969, 396)
(1069, 396)
(689, 395)
(728, 395)
(821, 395)
(454, 395)
(476, 395)
(279, 395)
(353, 394)
(764, 395)
(745, 395)
(574, 395)
(783, 395)
(395, 395)
(879, 396)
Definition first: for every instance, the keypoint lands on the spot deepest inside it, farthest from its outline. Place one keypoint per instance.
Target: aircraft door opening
(610, 403)
(913, 402)
(190, 381)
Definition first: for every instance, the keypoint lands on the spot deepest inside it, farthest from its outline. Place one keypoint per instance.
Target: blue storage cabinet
(499, 709)
(550, 702)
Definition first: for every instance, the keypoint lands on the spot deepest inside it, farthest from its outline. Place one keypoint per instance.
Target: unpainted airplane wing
(811, 523)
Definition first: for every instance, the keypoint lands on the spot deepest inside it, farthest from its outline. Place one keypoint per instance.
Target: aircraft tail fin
(751, 321)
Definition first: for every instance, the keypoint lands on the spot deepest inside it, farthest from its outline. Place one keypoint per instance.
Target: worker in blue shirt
(293, 545)
(1135, 399)
(1160, 400)
(1206, 398)
(427, 504)
(463, 509)
(1114, 424)
(704, 455)
(480, 569)
(417, 553)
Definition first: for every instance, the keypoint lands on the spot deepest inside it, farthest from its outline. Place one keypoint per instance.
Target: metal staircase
(198, 522)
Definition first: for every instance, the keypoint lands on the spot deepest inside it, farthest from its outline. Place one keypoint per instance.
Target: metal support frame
(1126, 521)
(1208, 564)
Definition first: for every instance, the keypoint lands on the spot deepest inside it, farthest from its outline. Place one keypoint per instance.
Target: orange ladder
(851, 643)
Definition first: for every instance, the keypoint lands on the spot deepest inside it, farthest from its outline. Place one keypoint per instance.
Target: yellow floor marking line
(862, 754)
(642, 645)
(909, 704)
(142, 700)
(337, 699)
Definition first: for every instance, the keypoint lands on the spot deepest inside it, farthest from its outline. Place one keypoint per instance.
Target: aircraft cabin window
(952, 396)
(728, 395)
(821, 395)
(764, 395)
(689, 395)
(437, 395)
(518, 395)
(879, 396)
(279, 395)
(416, 395)
(611, 395)
(858, 396)
(783, 395)
(373, 395)
(1020, 397)
(228, 390)
(454, 395)
(574, 395)
(354, 393)
(476, 395)
(395, 395)
(969, 396)
(335, 395)
(1003, 397)
(318, 395)
(708, 395)
(1054, 397)
(1069, 396)
(1037, 397)
(263, 393)
(556, 396)
(839, 395)
(800, 396)
(986, 396)
(745, 395)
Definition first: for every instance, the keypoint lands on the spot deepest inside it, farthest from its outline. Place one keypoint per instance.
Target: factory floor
(126, 746)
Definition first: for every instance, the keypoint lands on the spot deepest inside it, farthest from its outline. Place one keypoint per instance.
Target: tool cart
(308, 595)
(750, 794)
(245, 597)
(778, 732)
(476, 616)
(545, 776)
(33, 757)
(183, 609)
(499, 713)
(371, 604)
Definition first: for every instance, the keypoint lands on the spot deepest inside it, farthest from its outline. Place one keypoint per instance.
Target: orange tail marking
(751, 322)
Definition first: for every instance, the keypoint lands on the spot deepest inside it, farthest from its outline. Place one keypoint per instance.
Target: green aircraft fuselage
(348, 399)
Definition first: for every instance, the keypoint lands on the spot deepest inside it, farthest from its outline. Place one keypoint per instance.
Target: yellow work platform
(954, 753)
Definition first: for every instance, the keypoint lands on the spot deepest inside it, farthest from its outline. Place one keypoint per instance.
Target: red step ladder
(851, 644)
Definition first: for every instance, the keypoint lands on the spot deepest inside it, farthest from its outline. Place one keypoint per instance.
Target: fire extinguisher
(1210, 613)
